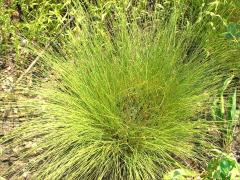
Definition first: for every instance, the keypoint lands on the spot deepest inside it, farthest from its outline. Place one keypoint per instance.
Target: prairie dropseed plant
(124, 105)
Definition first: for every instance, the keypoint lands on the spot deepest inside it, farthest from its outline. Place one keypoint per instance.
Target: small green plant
(233, 33)
(225, 110)
(223, 167)
(181, 174)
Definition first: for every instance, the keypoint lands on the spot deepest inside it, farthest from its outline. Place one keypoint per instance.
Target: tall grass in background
(128, 103)
(24, 21)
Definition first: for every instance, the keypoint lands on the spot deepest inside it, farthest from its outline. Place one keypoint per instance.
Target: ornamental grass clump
(127, 104)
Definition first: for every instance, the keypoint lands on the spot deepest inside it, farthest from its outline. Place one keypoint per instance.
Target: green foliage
(233, 33)
(40, 21)
(126, 105)
(30, 20)
(180, 174)
(223, 167)
(128, 92)
(34, 19)
(227, 113)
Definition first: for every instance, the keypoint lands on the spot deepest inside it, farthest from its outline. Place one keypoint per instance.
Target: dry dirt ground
(12, 110)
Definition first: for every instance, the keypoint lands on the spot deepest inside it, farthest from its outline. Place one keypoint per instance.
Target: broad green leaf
(228, 35)
(232, 28)
(226, 165)
(180, 174)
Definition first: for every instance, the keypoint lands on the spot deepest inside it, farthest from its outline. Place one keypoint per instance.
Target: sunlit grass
(128, 105)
